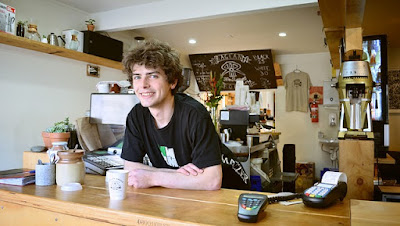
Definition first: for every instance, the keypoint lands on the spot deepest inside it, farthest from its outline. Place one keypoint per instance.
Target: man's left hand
(190, 169)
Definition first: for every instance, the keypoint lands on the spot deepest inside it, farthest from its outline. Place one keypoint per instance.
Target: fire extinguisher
(314, 111)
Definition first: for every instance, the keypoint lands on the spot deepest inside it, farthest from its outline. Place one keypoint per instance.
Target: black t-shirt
(189, 137)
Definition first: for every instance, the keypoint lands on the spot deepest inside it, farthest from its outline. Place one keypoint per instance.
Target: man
(172, 132)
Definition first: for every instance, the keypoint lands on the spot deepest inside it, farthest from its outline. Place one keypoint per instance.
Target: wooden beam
(354, 13)
(333, 17)
(333, 13)
(338, 16)
(333, 40)
(353, 39)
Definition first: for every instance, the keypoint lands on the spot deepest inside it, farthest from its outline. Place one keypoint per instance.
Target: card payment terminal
(325, 193)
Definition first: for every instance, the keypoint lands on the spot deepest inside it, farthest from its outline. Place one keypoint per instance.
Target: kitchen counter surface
(154, 206)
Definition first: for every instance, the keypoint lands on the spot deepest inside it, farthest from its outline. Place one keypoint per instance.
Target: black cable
(276, 199)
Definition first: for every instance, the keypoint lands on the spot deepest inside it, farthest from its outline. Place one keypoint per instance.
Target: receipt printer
(333, 186)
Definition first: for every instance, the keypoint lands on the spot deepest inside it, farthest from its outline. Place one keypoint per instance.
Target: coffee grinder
(355, 91)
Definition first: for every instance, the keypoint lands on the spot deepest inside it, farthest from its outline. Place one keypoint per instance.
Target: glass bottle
(21, 30)
(32, 33)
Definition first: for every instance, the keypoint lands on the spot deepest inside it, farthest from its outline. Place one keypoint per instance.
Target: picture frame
(93, 70)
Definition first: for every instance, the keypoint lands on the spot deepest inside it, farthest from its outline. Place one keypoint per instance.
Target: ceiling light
(282, 34)
(192, 41)
(139, 40)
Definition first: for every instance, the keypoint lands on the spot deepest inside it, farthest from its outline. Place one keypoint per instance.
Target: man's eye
(154, 76)
(136, 77)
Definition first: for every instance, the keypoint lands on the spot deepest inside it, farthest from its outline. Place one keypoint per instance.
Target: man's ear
(173, 85)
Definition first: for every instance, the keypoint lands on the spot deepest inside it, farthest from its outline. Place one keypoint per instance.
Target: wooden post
(356, 160)
(353, 39)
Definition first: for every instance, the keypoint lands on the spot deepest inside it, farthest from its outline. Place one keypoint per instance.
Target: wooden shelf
(25, 43)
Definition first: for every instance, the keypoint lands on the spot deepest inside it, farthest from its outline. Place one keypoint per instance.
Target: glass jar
(32, 33)
(74, 43)
(60, 146)
(70, 167)
(56, 147)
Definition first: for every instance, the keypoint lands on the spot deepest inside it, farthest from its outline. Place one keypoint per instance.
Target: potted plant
(90, 24)
(60, 131)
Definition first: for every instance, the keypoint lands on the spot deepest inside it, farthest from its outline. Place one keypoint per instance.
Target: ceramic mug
(103, 87)
(45, 174)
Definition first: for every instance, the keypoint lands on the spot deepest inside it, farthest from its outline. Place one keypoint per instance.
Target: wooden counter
(374, 213)
(33, 205)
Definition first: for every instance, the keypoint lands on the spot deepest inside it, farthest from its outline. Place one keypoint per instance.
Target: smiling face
(151, 86)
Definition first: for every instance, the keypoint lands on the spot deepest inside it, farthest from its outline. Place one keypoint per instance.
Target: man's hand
(190, 169)
(139, 178)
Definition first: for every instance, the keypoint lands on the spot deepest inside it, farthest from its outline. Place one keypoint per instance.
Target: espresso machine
(355, 91)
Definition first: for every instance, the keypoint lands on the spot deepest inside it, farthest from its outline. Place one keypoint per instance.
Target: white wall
(39, 89)
(296, 127)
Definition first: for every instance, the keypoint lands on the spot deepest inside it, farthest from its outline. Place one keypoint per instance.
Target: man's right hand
(140, 178)
(190, 169)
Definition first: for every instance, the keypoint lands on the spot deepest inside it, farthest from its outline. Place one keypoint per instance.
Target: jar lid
(60, 143)
(71, 187)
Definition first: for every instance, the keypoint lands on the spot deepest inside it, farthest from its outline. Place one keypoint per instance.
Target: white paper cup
(117, 183)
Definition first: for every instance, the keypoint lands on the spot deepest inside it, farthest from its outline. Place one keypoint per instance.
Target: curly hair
(154, 54)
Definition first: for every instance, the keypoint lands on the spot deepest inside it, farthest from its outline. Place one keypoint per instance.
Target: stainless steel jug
(52, 39)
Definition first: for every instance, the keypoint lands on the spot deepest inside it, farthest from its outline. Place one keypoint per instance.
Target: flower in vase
(214, 94)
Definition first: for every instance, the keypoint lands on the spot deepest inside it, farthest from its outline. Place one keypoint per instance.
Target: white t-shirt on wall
(297, 85)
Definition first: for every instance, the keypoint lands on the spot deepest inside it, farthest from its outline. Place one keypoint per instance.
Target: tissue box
(7, 18)
(67, 36)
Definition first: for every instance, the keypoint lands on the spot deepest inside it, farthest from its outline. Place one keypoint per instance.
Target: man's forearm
(143, 176)
(135, 165)
(210, 179)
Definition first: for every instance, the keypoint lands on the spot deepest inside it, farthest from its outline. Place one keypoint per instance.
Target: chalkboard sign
(254, 66)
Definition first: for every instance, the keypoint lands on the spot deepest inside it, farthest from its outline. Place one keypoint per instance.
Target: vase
(90, 27)
(214, 117)
(59, 137)
(46, 139)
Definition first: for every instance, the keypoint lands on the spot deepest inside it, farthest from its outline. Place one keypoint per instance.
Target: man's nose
(143, 82)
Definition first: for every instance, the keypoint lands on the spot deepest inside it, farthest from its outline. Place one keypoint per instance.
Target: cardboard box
(67, 36)
(7, 18)
(306, 178)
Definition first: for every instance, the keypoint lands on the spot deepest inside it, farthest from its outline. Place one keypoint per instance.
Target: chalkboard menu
(255, 67)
